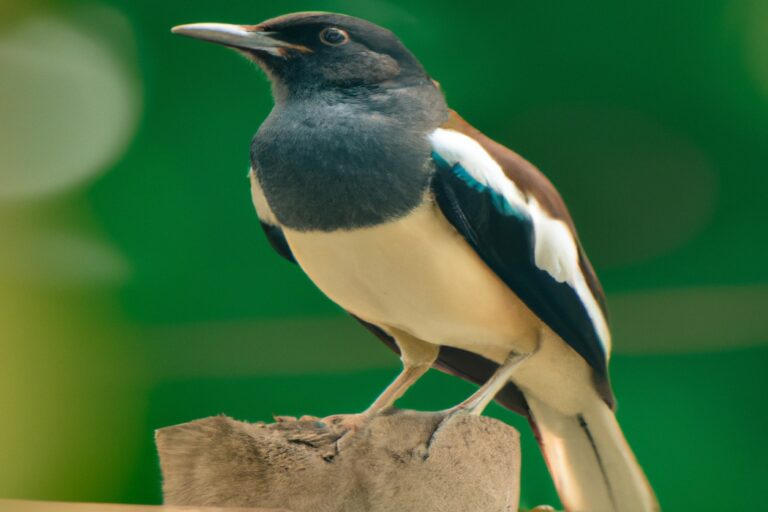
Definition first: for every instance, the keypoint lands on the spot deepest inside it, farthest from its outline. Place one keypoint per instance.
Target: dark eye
(333, 36)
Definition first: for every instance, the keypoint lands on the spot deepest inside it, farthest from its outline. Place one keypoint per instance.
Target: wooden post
(398, 463)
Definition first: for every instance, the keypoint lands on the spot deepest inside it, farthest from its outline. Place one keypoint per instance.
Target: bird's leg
(398, 387)
(480, 399)
(417, 357)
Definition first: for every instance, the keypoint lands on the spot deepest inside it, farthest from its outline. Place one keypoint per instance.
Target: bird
(449, 247)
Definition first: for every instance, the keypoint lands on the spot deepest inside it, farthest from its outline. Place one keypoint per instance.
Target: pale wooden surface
(401, 461)
(53, 506)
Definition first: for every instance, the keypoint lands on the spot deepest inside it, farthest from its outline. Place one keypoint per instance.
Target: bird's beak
(243, 37)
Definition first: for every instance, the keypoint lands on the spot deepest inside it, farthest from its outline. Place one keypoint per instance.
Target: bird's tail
(591, 463)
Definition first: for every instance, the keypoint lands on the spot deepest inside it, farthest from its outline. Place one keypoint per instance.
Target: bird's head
(312, 51)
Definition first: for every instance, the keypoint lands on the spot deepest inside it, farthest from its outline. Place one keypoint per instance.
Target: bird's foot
(344, 426)
(464, 408)
(347, 423)
(339, 427)
(447, 416)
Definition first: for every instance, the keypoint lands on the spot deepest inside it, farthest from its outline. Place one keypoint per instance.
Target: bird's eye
(333, 36)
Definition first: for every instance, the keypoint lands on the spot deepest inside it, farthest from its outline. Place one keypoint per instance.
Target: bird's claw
(448, 415)
(346, 423)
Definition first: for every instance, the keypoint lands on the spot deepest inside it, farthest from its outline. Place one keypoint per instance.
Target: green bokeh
(650, 117)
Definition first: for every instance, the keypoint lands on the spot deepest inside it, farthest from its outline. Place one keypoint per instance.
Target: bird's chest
(339, 169)
(418, 275)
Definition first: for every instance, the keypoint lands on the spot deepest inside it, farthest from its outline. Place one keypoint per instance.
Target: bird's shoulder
(269, 223)
(528, 179)
(263, 210)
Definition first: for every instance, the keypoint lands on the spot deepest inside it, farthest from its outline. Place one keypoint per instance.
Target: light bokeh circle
(70, 100)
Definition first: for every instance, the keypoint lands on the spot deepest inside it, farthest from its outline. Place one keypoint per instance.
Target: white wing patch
(555, 248)
(457, 148)
(260, 202)
(556, 252)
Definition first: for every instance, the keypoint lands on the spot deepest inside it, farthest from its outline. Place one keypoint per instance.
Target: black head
(309, 51)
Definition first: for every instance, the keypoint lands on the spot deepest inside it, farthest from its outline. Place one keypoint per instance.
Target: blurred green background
(136, 290)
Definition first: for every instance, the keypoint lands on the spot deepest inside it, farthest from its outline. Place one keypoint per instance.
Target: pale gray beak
(236, 36)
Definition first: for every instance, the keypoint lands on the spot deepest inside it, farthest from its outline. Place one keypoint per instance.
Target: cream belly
(419, 276)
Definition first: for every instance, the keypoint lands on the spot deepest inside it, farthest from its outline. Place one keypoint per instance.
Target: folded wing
(517, 223)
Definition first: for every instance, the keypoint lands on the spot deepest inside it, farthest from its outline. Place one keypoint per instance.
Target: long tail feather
(591, 463)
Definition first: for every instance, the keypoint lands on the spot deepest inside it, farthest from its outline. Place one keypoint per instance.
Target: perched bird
(451, 248)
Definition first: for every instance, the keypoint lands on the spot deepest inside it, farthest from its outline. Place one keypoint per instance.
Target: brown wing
(504, 236)
(531, 182)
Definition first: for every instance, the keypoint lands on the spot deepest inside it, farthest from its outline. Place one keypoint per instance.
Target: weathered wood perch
(395, 464)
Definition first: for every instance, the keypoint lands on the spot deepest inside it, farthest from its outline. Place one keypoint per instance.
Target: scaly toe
(347, 423)
(448, 415)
